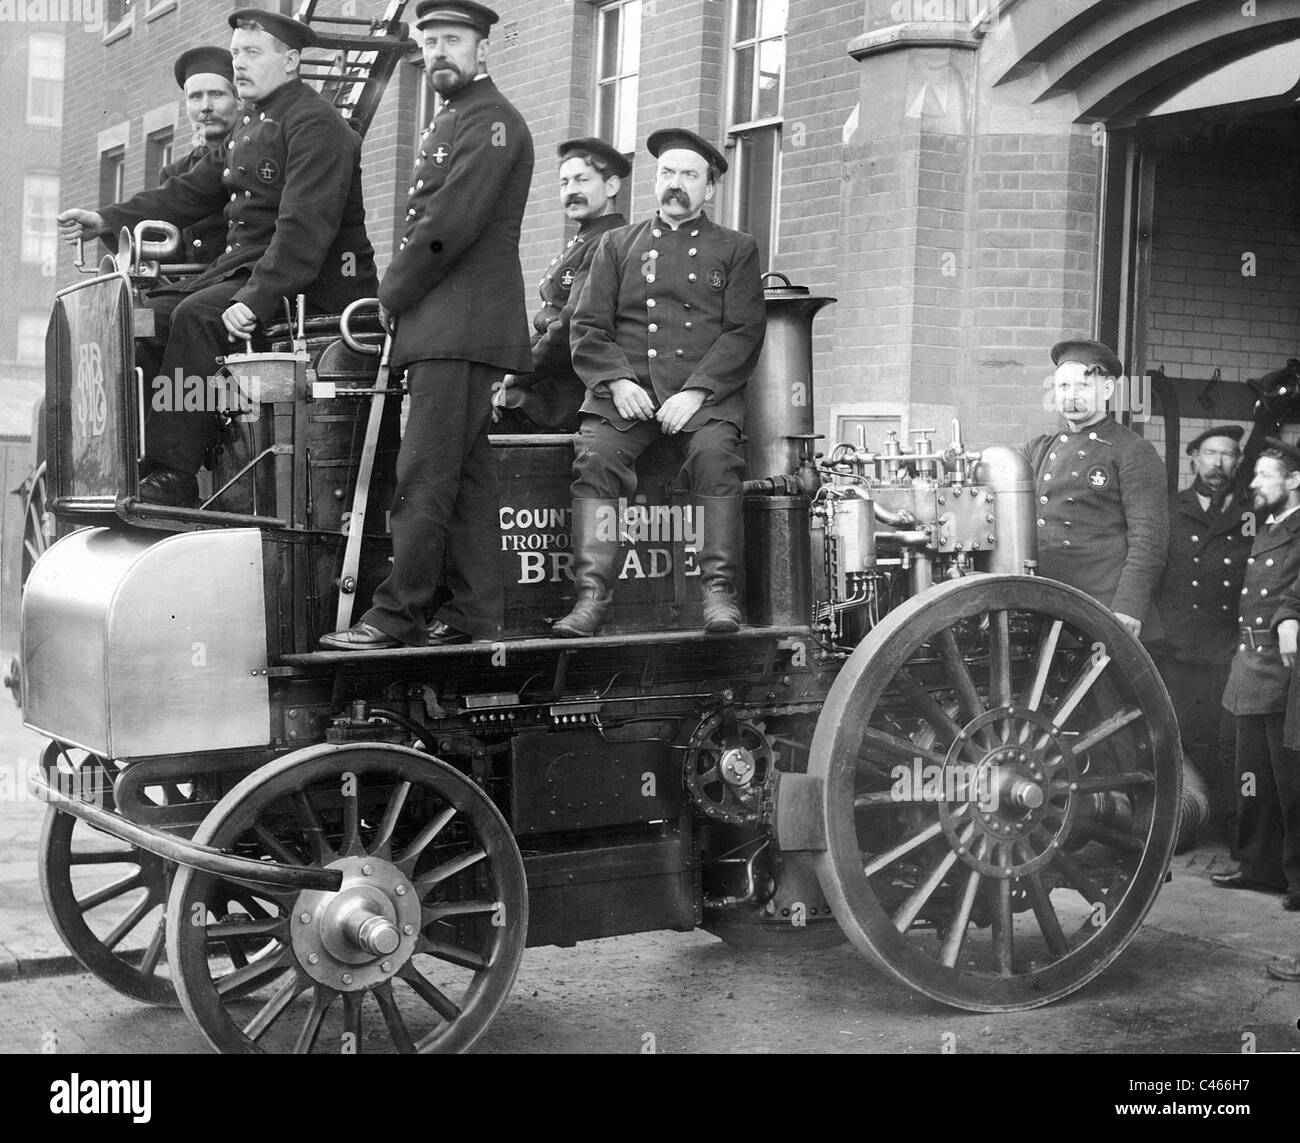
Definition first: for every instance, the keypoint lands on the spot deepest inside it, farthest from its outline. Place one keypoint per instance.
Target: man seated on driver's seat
(289, 181)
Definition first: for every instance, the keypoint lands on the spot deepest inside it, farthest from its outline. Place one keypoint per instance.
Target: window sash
(40, 209)
(618, 66)
(45, 54)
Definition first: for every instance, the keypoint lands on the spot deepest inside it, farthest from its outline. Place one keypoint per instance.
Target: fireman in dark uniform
(1210, 530)
(1259, 686)
(290, 181)
(1103, 515)
(207, 77)
(454, 296)
(591, 175)
(665, 335)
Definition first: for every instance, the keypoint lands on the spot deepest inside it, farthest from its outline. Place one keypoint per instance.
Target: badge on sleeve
(268, 170)
(717, 281)
(566, 279)
(1098, 477)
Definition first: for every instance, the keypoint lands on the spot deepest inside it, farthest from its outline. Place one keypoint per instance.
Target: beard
(447, 79)
(1262, 503)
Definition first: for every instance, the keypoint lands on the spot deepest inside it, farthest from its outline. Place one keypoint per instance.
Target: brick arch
(1118, 59)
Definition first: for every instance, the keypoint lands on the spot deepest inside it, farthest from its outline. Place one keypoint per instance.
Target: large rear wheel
(1001, 788)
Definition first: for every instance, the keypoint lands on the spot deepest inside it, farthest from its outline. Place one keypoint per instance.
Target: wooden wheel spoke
(1101, 783)
(393, 1018)
(1105, 729)
(322, 853)
(956, 935)
(436, 876)
(264, 927)
(352, 1018)
(899, 749)
(424, 838)
(429, 992)
(1003, 918)
(916, 900)
(432, 913)
(275, 1007)
(249, 974)
(881, 860)
(1077, 692)
(999, 658)
(1043, 664)
(392, 812)
(129, 922)
(106, 857)
(350, 845)
(109, 892)
(321, 1000)
(453, 954)
(274, 846)
(154, 950)
(1041, 903)
(968, 699)
(927, 706)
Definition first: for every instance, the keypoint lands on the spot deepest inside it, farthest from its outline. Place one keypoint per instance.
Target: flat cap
(477, 16)
(1088, 353)
(1289, 451)
(1236, 432)
(285, 29)
(674, 137)
(203, 61)
(618, 164)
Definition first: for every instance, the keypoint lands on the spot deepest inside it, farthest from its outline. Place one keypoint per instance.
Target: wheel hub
(1017, 786)
(361, 934)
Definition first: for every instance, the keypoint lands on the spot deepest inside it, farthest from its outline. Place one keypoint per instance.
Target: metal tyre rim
(999, 858)
(415, 953)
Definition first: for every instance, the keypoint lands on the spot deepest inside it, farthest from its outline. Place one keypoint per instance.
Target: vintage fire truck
(969, 771)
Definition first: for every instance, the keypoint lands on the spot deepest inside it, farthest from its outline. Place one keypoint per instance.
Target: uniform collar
(604, 222)
(699, 222)
(282, 96)
(1106, 422)
(477, 88)
(1275, 520)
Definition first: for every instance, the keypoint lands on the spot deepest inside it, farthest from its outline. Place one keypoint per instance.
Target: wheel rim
(415, 952)
(38, 523)
(105, 898)
(1001, 782)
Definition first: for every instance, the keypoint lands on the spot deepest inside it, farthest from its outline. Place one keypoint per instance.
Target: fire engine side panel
(136, 646)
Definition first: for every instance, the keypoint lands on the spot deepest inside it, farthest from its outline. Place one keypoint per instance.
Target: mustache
(673, 194)
(576, 200)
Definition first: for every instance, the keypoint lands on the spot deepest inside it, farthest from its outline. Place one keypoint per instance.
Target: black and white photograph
(651, 527)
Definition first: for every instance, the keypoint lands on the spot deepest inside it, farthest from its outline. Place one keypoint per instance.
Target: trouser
(1206, 729)
(446, 507)
(1268, 820)
(604, 466)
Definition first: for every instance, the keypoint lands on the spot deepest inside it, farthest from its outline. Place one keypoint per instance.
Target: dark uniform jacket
(1198, 596)
(455, 282)
(203, 241)
(1103, 515)
(1258, 682)
(672, 310)
(560, 287)
(290, 178)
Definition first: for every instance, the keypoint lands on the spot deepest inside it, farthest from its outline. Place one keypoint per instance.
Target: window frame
(741, 133)
(32, 77)
(117, 29)
(48, 247)
(621, 76)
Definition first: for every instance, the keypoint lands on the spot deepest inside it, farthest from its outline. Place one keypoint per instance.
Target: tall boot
(596, 528)
(720, 521)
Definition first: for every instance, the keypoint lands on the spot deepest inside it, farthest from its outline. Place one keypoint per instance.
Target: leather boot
(720, 521)
(596, 527)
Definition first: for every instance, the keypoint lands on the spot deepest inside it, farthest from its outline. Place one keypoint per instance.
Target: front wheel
(1001, 785)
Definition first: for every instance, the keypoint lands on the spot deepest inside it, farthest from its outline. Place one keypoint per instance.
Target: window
(119, 15)
(30, 349)
(40, 207)
(756, 86)
(45, 79)
(158, 149)
(618, 61)
(112, 175)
